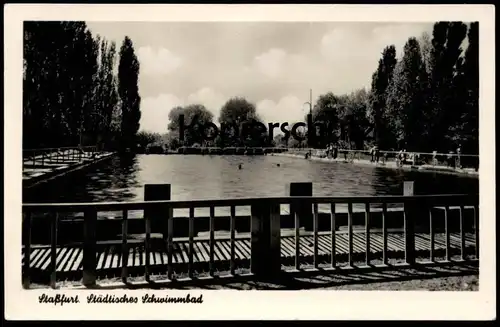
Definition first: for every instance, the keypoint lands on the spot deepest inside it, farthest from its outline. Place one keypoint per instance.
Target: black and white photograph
(249, 155)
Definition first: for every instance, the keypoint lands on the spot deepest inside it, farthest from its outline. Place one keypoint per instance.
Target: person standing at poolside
(385, 158)
(328, 150)
(399, 160)
(458, 165)
(377, 153)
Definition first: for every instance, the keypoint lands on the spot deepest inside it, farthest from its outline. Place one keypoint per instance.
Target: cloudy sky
(271, 64)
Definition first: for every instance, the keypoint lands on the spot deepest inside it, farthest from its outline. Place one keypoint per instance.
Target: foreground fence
(435, 226)
(40, 158)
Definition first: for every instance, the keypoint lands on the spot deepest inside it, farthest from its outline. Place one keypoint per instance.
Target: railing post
(367, 233)
(211, 252)
(275, 238)
(333, 235)
(256, 240)
(462, 233)
(384, 234)
(125, 249)
(304, 208)
(265, 240)
(409, 223)
(157, 192)
(89, 247)
(447, 233)
(27, 249)
(191, 242)
(476, 230)
(54, 219)
(431, 236)
(232, 245)
(350, 244)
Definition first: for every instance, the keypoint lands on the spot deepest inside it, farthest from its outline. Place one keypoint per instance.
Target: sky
(271, 64)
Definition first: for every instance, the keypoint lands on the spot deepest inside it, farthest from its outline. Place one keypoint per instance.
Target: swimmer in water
(277, 165)
(240, 166)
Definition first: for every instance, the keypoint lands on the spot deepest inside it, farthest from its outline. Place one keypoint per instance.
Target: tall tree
(238, 118)
(195, 115)
(465, 132)
(405, 97)
(64, 81)
(327, 111)
(380, 81)
(59, 77)
(355, 120)
(144, 138)
(343, 118)
(107, 94)
(34, 108)
(445, 54)
(237, 109)
(128, 89)
(87, 52)
(427, 99)
(426, 48)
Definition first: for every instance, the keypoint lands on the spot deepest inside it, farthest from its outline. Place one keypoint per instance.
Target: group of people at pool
(402, 157)
(376, 156)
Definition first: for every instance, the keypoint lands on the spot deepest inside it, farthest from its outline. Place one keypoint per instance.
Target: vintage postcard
(162, 157)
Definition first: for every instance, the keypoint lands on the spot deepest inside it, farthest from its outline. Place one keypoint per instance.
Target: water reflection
(213, 177)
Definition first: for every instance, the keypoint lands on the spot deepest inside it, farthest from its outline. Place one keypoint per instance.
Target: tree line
(236, 115)
(425, 101)
(76, 89)
(428, 100)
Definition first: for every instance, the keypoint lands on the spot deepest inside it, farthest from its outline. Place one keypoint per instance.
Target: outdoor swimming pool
(196, 177)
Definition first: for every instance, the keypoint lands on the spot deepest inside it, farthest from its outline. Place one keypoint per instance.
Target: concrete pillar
(408, 188)
(304, 209)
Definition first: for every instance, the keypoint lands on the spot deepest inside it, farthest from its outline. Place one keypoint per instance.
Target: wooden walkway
(109, 254)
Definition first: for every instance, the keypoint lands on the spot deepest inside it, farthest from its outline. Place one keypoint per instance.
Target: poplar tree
(128, 90)
(465, 131)
(381, 79)
(405, 97)
(445, 54)
(68, 85)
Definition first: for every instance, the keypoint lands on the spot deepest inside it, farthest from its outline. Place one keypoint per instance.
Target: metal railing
(230, 150)
(452, 160)
(265, 230)
(39, 158)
